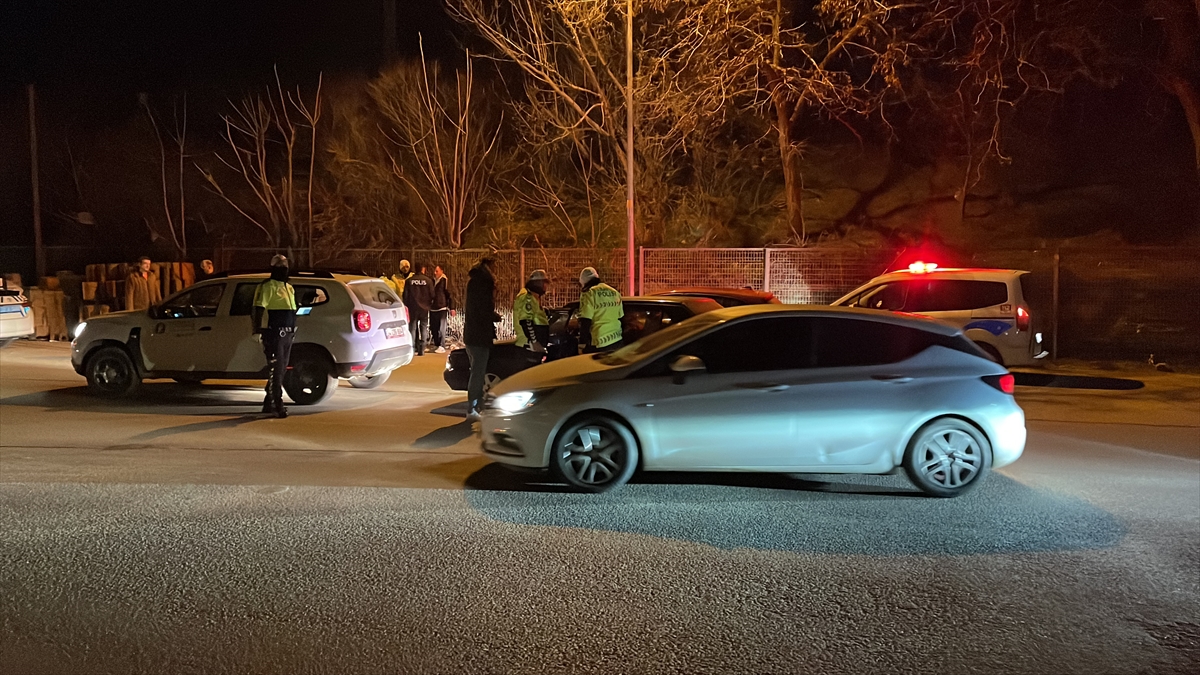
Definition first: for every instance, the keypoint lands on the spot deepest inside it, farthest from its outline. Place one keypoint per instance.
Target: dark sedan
(727, 297)
(643, 316)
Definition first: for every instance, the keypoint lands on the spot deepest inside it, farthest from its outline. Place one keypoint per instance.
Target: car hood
(560, 373)
(126, 317)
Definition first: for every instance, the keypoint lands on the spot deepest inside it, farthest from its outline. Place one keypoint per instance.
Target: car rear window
(843, 342)
(953, 295)
(375, 294)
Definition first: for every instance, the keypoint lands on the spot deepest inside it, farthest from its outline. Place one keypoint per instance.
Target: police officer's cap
(279, 261)
(537, 275)
(587, 275)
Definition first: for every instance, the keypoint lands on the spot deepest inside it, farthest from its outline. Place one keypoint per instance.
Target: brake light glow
(922, 267)
(1006, 383)
(1022, 318)
(358, 368)
(362, 321)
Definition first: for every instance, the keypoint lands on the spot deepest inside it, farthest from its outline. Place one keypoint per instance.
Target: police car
(989, 305)
(16, 316)
(348, 326)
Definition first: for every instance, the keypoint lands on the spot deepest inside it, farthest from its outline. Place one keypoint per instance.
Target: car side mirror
(685, 364)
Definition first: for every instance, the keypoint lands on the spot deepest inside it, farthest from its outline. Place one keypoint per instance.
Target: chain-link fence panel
(665, 269)
(563, 266)
(819, 276)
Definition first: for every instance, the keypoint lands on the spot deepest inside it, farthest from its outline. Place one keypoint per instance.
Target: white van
(987, 304)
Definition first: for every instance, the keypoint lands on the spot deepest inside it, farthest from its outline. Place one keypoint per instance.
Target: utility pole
(39, 250)
(630, 251)
(390, 48)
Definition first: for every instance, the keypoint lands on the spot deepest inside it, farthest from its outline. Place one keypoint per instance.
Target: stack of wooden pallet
(62, 301)
(49, 319)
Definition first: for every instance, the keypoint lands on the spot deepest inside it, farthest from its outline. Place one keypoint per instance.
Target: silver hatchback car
(771, 388)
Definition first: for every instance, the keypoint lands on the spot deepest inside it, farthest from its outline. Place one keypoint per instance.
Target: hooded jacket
(479, 320)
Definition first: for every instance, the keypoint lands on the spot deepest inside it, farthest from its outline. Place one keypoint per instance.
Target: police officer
(418, 298)
(276, 298)
(396, 281)
(534, 326)
(600, 312)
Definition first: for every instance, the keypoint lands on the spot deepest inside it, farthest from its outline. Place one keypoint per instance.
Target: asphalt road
(178, 532)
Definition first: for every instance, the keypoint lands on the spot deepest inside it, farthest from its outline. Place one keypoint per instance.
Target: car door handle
(206, 328)
(765, 386)
(898, 379)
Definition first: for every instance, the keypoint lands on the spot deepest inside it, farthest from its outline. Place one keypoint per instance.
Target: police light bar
(922, 267)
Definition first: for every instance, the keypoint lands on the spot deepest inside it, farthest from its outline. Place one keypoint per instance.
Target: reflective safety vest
(273, 294)
(527, 307)
(602, 304)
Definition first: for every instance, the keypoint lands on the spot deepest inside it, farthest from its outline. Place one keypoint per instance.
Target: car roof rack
(310, 274)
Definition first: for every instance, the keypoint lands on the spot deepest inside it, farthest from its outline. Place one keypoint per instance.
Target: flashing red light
(920, 267)
(1022, 318)
(358, 368)
(362, 321)
(1006, 383)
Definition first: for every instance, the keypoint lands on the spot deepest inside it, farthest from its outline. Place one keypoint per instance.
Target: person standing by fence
(479, 330)
(443, 307)
(418, 298)
(276, 298)
(600, 313)
(141, 286)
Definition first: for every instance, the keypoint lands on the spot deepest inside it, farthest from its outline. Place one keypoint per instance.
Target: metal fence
(1116, 302)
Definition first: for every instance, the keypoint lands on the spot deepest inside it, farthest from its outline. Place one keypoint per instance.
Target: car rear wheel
(309, 379)
(369, 381)
(490, 380)
(110, 372)
(595, 453)
(947, 457)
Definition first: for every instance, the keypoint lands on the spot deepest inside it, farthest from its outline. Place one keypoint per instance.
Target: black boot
(281, 412)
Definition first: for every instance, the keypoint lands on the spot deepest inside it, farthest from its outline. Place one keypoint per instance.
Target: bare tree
(176, 223)
(437, 122)
(263, 133)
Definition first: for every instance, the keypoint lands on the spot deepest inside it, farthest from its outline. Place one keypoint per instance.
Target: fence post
(1054, 312)
(522, 278)
(641, 280)
(766, 269)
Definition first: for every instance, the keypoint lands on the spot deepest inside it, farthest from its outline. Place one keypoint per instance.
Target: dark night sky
(162, 44)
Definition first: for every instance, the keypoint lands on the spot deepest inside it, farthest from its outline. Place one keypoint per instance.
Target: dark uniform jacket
(418, 294)
(441, 295)
(479, 324)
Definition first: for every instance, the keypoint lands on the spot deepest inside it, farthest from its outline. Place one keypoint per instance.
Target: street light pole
(39, 250)
(630, 284)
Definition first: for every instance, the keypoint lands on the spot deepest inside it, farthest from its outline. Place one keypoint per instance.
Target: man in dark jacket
(418, 298)
(479, 329)
(443, 308)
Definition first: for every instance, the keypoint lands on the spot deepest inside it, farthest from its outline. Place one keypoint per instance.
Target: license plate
(393, 331)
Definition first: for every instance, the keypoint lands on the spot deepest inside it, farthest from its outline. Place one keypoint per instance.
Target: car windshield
(667, 336)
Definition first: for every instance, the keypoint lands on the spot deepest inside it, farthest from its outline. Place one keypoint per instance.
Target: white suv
(989, 305)
(348, 326)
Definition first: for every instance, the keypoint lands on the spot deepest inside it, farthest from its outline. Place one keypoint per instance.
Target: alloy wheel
(949, 458)
(593, 455)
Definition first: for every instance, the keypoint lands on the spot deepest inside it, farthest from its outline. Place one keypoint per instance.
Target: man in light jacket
(141, 287)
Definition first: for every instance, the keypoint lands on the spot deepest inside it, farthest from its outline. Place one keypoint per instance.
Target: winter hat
(279, 261)
(587, 275)
(537, 275)
(405, 265)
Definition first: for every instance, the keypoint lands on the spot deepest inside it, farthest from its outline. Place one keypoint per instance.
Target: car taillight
(1006, 383)
(362, 321)
(1022, 318)
(406, 317)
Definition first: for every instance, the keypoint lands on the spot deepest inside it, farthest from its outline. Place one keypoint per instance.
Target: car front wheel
(309, 379)
(947, 457)
(595, 453)
(110, 372)
(369, 381)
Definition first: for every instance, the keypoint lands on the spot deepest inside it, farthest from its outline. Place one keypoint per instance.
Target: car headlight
(515, 401)
(79, 329)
